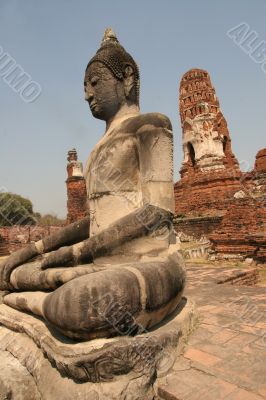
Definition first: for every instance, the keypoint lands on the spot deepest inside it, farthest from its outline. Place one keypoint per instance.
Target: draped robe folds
(129, 170)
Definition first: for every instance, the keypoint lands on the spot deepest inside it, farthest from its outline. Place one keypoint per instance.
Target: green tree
(15, 210)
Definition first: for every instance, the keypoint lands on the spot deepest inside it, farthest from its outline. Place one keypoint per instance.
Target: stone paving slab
(226, 355)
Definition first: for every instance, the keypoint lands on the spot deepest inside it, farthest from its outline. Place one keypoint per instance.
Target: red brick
(262, 390)
(205, 202)
(201, 357)
(76, 189)
(19, 236)
(242, 394)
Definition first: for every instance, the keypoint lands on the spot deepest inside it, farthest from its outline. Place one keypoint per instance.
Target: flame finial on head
(109, 36)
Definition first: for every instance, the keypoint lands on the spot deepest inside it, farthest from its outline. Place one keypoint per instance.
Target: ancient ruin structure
(117, 273)
(13, 238)
(76, 189)
(260, 163)
(4, 250)
(255, 180)
(210, 174)
(206, 139)
(214, 198)
(16, 237)
(242, 230)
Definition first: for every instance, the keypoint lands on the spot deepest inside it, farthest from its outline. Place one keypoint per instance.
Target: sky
(52, 42)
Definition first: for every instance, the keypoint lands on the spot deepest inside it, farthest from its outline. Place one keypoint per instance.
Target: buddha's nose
(88, 96)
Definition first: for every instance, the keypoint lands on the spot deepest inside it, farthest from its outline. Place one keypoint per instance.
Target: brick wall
(15, 237)
(206, 193)
(76, 199)
(243, 229)
(197, 227)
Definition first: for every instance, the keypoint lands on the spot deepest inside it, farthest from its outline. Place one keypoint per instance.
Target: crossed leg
(105, 302)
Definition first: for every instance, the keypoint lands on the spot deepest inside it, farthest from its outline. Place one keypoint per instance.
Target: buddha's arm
(139, 223)
(68, 235)
(155, 141)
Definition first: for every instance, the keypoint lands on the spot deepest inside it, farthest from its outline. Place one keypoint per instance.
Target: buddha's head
(111, 79)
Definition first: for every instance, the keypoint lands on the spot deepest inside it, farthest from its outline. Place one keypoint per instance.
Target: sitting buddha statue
(126, 247)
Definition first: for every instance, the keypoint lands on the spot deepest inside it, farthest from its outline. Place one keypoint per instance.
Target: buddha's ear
(129, 80)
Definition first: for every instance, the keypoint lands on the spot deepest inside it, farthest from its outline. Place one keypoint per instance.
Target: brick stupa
(76, 188)
(210, 174)
(214, 198)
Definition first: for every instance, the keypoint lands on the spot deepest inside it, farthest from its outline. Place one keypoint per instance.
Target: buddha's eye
(94, 81)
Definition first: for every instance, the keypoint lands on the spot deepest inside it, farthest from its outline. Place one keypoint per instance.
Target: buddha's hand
(15, 260)
(6, 268)
(64, 257)
(70, 234)
(143, 221)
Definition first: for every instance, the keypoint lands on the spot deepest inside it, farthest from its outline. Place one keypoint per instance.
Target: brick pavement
(226, 354)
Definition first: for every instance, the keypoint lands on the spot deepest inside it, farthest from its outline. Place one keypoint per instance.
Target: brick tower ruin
(210, 174)
(214, 198)
(76, 188)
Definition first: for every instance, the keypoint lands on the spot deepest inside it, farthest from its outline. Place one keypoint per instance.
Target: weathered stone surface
(65, 236)
(146, 221)
(138, 294)
(127, 367)
(31, 276)
(121, 277)
(133, 179)
(16, 382)
(129, 179)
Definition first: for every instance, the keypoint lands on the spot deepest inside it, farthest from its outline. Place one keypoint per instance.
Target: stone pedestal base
(37, 363)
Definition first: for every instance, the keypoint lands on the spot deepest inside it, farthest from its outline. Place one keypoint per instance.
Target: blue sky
(53, 40)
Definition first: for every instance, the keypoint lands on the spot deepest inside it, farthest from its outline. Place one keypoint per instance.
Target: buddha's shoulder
(147, 121)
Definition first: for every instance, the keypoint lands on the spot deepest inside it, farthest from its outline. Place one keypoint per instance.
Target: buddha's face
(104, 93)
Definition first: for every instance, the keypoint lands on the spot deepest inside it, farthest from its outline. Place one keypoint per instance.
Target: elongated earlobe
(129, 80)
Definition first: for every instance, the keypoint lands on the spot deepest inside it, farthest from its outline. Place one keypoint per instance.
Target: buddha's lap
(106, 300)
